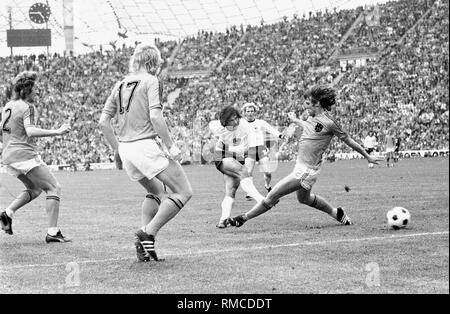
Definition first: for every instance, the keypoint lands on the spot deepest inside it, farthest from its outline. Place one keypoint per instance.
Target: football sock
(334, 213)
(257, 210)
(227, 205)
(267, 179)
(9, 212)
(321, 204)
(248, 186)
(168, 209)
(53, 231)
(52, 208)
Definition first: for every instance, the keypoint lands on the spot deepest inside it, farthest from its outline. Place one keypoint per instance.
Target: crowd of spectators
(383, 25)
(407, 90)
(207, 49)
(271, 65)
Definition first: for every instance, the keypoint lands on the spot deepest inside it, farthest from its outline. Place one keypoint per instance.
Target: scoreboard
(28, 37)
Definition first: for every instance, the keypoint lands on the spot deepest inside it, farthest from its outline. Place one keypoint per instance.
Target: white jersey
(258, 135)
(370, 142)
(231, 143)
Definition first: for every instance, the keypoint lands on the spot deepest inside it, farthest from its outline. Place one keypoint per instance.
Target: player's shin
(258, 209)
(22, 199)
(249, 188)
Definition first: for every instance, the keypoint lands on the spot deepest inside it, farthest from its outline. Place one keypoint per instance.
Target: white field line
(239, 249)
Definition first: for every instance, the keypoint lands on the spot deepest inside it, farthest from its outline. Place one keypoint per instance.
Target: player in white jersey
(18, 129)
(257, 149)
(318, 130)
(230, 150)
(135, 101)
(370, 141)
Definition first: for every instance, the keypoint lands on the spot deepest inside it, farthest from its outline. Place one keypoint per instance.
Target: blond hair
(145, 56)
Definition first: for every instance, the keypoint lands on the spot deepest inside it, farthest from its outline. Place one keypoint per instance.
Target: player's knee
(187, 195)
(153, 197)
(179, 200)
(35, 193)
(305, 199)
(53, 189)
(244, 173)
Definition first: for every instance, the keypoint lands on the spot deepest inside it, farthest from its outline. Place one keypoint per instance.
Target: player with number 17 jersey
(135, 95)
(135, 101)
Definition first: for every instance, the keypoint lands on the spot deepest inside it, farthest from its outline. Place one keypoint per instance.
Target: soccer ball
(398, 218)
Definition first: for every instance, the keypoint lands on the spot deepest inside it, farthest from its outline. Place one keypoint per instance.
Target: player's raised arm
(271, 130)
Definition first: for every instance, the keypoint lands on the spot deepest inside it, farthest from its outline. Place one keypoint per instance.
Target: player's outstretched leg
(305, 196)
(286, 186)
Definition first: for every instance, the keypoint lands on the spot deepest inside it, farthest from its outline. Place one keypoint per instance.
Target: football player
(144, 146)
(230, 150)
(318, 130)
(258, 151)
(18, 129)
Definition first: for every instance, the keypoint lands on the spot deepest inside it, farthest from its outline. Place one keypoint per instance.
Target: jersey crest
(318, 128)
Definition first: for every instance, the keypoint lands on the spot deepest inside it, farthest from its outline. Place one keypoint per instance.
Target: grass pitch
(291, 249)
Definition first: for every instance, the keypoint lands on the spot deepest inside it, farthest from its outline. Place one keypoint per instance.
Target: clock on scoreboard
(39, 13)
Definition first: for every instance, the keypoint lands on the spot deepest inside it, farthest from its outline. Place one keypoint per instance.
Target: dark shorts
(370, 150)
(257, 153)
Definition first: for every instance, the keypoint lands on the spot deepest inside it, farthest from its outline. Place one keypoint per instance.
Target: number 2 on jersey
(8, 116)
(128, 85)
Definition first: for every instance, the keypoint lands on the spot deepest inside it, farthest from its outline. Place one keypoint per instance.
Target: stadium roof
(99, 21)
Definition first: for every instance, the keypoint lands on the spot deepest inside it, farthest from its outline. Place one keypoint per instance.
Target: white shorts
(307, 176)
(390, 150)
(23, 167)
(143, 159)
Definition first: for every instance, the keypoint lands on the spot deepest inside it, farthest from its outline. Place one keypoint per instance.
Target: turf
(291, 249)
